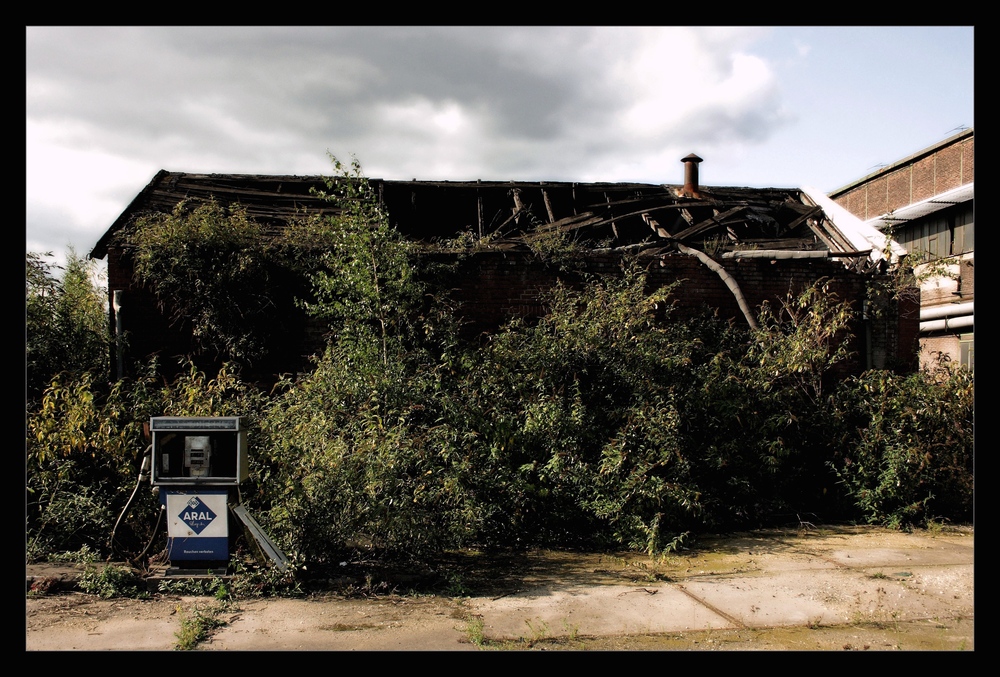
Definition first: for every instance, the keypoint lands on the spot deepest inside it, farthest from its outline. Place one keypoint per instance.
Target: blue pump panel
(197, 524)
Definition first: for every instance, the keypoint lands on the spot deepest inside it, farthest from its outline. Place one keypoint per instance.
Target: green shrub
(112, 581)
(605, 423)
(84, 447)
(80, 452)
(906, 450)
(207, 266)
(349, 463)
(66, 322)
(580, 408)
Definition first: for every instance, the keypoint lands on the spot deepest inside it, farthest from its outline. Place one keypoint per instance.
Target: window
(949, 232)
(966, 344)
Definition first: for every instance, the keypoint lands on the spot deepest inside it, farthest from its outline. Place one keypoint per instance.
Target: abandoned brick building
(731, 248)
(927, 201)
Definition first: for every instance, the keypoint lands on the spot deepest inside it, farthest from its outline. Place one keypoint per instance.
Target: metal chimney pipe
(690, 188)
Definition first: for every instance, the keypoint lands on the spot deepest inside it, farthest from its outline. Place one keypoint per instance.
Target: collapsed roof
(725, 222)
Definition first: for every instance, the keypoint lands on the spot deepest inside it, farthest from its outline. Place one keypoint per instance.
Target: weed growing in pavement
(474, 630)
(198, 627)
(572, 630)
(879, 617)
(539, 631)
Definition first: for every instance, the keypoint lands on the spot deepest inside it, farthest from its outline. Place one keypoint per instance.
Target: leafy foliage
(66, 322)
(568, 403)
(607, 422)
(208, 266)
(243, 288)
(341, 468)
(799, 343)
(905, 454)
(78, 452)
(112, 581)
(85, 445)
(366, 277)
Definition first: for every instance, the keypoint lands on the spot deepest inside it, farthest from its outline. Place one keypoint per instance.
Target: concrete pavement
(876, 587)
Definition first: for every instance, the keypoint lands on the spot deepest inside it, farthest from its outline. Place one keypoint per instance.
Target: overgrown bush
(606, 423)
(112, 581)
(366, 278)
(905, 453)
(345, 463)
(770, 425)
(66, 322)
(580, 407)
(81, 445)
(84, 447)
(208, 267)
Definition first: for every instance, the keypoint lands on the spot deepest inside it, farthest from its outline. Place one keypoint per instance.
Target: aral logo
(197, 515)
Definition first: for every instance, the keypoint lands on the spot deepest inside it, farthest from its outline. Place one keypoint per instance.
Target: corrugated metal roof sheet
(947, 199)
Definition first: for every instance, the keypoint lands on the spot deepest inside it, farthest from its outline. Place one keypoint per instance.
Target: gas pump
(197, 465)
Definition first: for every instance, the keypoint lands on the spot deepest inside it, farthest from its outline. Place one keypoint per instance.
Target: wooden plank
(655, 225)
(548, 205)
(809, 214)
(708, 223)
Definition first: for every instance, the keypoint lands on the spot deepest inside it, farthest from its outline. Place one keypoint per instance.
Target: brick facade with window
(927, 200)
(935, 170)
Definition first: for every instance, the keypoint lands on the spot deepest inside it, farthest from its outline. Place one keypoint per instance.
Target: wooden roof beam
(708, 223)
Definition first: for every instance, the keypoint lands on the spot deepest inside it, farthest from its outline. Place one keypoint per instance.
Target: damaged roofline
(861, 235)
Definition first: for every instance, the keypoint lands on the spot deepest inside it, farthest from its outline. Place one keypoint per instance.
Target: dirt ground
(847, 588)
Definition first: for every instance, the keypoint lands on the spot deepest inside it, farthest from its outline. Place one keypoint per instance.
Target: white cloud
(87, 184)
(425, 139)
(675, 77)
(427, 118)
(110, 106)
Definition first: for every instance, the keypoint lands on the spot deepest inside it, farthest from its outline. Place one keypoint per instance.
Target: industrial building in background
(926, 201)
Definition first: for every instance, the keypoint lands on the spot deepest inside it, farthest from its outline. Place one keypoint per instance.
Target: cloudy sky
(785, 106)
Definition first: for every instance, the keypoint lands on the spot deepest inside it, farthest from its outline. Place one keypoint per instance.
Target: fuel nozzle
(147, 464)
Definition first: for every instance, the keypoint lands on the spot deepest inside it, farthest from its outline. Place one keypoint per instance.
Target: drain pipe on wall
(116, 305)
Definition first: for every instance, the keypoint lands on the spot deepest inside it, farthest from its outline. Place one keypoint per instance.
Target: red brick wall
(493, 287)
(497, 286)
(925, 176)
